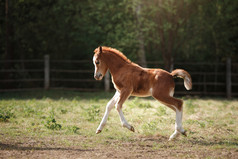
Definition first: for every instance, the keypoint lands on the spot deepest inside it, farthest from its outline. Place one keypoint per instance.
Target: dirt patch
(139, 147)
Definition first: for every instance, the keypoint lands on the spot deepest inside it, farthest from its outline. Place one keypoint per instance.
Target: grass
(61, 115)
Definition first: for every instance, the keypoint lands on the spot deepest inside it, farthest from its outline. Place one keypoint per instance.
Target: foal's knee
(109, 108)
(118, 107)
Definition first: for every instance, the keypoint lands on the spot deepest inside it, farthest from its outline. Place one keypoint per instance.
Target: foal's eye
(97, 62)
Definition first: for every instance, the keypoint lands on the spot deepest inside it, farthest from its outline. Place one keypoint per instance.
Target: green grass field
(59, 124)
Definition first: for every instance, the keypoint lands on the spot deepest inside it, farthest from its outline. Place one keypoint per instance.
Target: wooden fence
(209, 79)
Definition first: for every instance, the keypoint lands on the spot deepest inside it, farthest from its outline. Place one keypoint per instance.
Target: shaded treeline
(155, 30)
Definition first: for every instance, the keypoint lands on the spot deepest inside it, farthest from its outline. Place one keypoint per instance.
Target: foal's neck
(114, 62)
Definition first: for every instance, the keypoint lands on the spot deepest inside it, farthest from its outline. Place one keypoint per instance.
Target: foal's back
(144, 80)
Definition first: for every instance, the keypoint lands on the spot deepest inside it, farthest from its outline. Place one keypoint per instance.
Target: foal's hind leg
(177, 106)
(178, 124)
(109, 107)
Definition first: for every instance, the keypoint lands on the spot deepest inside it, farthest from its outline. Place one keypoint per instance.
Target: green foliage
(51, 122)
(92, 113)
(63, 111)
(172, 30)
(5, 115)
(161, 111)
(73, 129)
(145, 105)
(136, 103)
(202, 124)
(214, 26)
(150, 128)
(49, 125)
(190, 106)
(28, 111)
(69, 29)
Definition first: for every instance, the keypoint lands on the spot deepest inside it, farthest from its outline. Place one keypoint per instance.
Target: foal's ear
(100, 49)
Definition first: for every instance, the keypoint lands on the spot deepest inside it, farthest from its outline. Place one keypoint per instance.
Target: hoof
(184, 133)
(132, 129)
(174, 135)
(98, 131)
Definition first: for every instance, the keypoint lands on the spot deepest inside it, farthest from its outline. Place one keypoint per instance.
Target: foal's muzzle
(98, 76)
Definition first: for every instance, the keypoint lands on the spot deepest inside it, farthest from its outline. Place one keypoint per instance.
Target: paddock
(62, 124)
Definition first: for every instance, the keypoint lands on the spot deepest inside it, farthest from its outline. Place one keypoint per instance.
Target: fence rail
(213, 79)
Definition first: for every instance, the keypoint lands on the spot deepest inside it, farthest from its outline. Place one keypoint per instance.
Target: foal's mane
(115, 52)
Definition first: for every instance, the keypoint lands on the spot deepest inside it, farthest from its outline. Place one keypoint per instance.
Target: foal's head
(100, 65)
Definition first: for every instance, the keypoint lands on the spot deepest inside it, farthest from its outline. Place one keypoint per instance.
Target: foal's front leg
(109, 107)
(122, 98)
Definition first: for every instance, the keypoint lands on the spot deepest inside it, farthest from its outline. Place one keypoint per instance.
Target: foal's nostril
(97, 76)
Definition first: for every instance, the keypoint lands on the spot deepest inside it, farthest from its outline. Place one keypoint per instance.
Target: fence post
(204, 84)
(228, 77)
(107, 82)
(47, 71)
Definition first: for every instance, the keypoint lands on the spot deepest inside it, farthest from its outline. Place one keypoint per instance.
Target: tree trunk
(141, 52)
(166, 51)
(168, 61)
(9, 34)
(9, 42)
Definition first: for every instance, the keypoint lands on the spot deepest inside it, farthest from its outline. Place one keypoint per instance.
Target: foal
(131, 79)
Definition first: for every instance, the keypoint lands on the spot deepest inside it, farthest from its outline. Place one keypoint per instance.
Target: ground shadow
(204, 142)
(56, 95)
(26, 148)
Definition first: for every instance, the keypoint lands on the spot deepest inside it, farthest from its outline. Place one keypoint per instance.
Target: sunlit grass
(64, 115)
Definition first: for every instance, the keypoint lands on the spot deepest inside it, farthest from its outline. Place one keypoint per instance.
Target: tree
(141, 41)
(214, 28)
(170, 18)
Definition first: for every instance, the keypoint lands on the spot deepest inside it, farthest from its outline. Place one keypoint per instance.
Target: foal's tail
(185, 75)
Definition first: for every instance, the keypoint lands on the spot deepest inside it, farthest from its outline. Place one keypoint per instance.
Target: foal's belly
(142, 93)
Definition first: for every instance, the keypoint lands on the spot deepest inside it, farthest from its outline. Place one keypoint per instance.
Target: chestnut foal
(131, 79)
